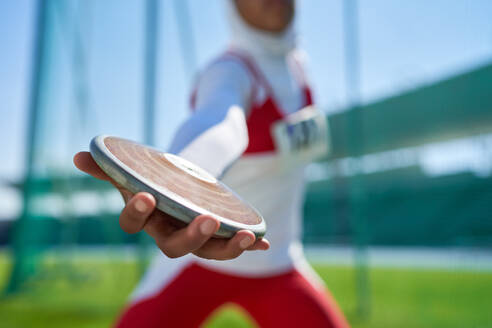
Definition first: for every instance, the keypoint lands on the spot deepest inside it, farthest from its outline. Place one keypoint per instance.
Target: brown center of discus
(171, 173)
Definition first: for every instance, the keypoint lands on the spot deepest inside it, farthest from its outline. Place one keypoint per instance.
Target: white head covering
(258, 42)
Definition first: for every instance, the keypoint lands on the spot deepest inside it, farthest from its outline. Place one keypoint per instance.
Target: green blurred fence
(402, 204)
(460, 106)
(406, 208)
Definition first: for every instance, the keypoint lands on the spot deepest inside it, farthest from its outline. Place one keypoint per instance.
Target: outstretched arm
(216, 134)
(213, 137)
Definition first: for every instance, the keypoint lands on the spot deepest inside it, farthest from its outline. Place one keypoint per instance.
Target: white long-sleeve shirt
(215, 135)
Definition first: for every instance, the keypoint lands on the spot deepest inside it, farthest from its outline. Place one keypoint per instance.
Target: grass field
(89, 293)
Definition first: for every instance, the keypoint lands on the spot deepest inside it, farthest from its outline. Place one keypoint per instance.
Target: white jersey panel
(278, 195)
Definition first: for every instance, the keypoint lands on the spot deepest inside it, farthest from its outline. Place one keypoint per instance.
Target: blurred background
(398, 219)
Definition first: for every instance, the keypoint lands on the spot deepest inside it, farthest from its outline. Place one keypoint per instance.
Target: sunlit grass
(90, 293)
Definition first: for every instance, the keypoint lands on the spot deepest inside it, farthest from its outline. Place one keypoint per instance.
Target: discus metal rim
(170, 203)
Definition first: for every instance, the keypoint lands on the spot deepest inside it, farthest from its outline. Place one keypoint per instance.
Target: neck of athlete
(257, 42)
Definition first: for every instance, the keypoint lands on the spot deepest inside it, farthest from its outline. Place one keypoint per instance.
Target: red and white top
(229, 134)
(237, 99)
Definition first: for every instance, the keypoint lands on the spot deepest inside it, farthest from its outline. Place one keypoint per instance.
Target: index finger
(84, 162)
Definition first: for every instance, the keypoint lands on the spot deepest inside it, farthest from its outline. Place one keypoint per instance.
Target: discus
(181, 189)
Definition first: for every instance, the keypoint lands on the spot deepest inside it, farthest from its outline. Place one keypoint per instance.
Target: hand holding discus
(182, 207)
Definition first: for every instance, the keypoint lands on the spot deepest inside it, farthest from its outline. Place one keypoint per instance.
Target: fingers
(186, 240)
(197, 238)
(125, 194)
(261, 244)
(226, 249)
(84, 162)
(137, 210)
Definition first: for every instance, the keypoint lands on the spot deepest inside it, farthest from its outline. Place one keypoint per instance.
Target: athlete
(246, 129)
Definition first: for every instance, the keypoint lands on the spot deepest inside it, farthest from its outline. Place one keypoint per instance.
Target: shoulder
(300, 56)
(224, 77)
(298, 61)
(225, 67)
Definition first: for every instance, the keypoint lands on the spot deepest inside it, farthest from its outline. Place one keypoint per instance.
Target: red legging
(286, 300)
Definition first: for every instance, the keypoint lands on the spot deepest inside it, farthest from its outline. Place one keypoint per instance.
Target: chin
(278, 26)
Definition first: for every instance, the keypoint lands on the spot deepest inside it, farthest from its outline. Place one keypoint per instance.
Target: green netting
(62, 119)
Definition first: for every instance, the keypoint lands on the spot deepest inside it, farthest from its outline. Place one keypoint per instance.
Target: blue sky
(403, 44)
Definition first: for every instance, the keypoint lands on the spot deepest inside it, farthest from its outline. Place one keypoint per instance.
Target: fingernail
(207, 227)
(246, 242)
(140, 206)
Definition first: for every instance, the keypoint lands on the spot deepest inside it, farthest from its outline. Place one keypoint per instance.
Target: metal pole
(355, 144)
(186, 39)
(150, 65)
(150, 80)
(351, 44)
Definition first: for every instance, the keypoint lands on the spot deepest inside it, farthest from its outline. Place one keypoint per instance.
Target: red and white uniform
(257, 82)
